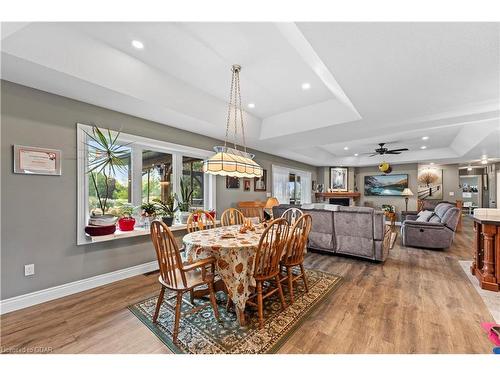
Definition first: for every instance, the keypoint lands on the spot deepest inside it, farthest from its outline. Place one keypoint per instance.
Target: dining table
(235, 255)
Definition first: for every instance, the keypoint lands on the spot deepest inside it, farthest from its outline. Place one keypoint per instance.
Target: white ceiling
(370, 82)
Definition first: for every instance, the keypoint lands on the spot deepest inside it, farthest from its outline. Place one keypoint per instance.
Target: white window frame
(137, 144)
(305, 181)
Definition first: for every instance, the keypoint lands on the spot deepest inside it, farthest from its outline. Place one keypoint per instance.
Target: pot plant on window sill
(184, 203)
(148, 212)
(166, 209)
(126, 223)
(105, 158)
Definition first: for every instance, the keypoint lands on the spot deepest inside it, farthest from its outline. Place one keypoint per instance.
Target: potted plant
(185, 202)
(106, 157)
(149, 211)
(126, 222)
(166, 209)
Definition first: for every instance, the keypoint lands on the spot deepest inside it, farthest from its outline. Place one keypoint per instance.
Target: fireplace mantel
(338, 194)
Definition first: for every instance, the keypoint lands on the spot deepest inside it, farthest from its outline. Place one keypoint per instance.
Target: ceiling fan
(385, 151)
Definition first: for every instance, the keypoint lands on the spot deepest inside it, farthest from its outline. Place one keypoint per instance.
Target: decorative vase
(126, 224)
(168, 220)
(183, 217)
(100, 230)
(102, 220)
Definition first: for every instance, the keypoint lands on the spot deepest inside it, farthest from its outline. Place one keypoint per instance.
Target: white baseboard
(35, 298)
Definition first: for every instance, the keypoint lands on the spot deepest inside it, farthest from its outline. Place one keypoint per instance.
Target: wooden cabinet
(486, 263)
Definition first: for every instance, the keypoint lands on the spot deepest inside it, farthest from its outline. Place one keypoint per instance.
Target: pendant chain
(235, 101)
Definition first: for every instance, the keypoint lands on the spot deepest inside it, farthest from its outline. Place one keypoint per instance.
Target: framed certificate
(36, 160)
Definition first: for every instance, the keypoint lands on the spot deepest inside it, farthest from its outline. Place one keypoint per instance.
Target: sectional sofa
(355, 231)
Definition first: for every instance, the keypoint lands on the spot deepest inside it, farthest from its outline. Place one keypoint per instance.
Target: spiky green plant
(106, 157)
(186, 195)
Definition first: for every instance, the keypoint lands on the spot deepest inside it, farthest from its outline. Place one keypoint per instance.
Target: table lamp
(270, 203)
(407, 193)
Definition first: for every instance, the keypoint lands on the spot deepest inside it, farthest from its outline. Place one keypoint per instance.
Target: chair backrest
(200, 220)
(271, 246)
(232, 216)
(297, 240)
(252, 209)
(292, 215)
(168, 254)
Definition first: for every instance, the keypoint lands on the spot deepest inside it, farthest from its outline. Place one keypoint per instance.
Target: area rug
(490, 299)
(200, 333)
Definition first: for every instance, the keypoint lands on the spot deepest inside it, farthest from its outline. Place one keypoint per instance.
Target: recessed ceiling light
(251, 105)
(356, 154)
(432, 163)
(484, 161)
(137, 44)
(306, 86)
(423, 147)
(469, 168)
(346, 148)
(425, 138)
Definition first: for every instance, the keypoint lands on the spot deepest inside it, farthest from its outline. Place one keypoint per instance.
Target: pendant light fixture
(229, 161)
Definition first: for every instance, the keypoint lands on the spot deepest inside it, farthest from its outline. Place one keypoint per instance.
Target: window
(157, 175)
(291, 185)
(151, 169)
(192, 177)
(112, 187)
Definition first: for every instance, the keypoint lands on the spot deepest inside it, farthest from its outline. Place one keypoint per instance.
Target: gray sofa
(431, 229)
(356, 231)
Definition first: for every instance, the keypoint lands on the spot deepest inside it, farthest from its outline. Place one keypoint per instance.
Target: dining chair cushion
(193, 278)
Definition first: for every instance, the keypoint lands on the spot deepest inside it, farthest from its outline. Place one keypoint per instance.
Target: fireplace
(340, 201)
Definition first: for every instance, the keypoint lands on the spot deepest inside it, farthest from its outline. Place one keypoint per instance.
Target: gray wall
(398, 202)
(450, 185)
(39, 212)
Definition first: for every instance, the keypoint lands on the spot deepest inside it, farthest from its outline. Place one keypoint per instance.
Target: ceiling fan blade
(393, 152)
(398, 149)
(373, 155)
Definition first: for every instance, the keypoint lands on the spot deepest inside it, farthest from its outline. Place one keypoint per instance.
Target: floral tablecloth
(235, 257)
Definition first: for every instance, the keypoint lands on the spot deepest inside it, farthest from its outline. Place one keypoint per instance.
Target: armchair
(435, 233)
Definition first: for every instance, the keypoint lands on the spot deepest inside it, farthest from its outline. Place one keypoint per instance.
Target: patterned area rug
(200, 333)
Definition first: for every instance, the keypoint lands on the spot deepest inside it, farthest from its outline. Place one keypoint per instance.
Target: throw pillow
(424, 216)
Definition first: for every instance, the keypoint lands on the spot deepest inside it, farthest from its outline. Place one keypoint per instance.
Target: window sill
(140, 231)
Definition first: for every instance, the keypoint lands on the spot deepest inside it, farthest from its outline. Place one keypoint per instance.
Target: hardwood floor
(418, 301)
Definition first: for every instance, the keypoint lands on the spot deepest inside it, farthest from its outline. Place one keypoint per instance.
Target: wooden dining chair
(180, 277)
(200, 220)
(291, 215)
(232, 216)
(295, 250)
(267, 265)
(251, 209)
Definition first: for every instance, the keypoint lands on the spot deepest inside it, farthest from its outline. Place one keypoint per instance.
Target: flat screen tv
(386, 185)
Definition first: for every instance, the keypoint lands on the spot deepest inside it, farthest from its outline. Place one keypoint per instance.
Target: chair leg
(191, 296)
(280, 291)
(304, 277)
(290, 282)
(158, 304)
(213, 301)
(178, 306)
(260, 304)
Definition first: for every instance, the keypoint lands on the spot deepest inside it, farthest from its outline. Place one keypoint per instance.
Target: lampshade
(407, 193)
(272, 202)
(231, 162)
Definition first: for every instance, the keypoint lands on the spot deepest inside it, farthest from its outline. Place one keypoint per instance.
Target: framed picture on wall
(232, 182)
(246, 184)
(37, 160)
(338, 179)
(430, 183)
(260, 183)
